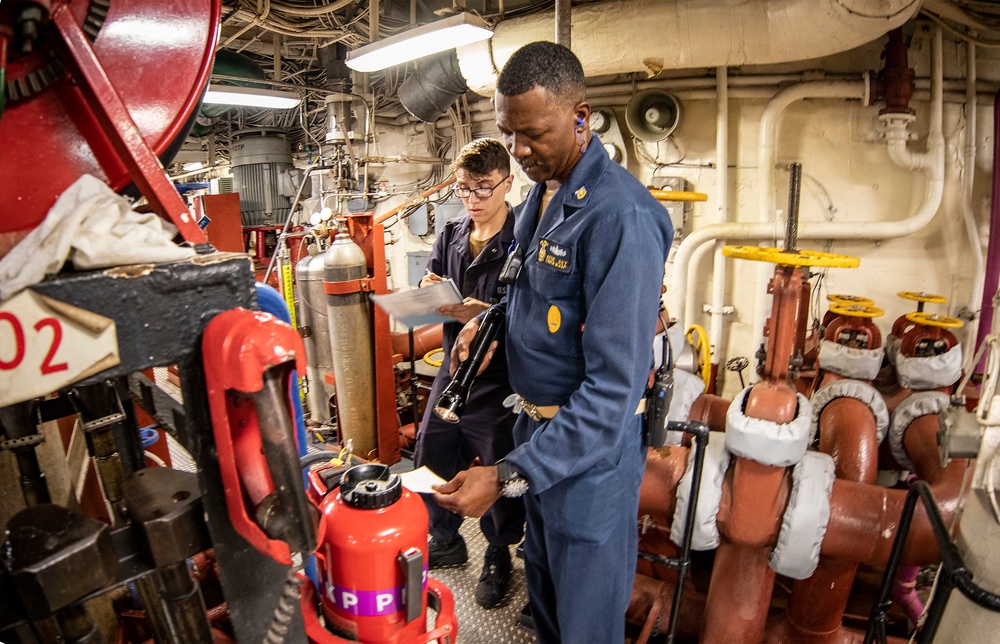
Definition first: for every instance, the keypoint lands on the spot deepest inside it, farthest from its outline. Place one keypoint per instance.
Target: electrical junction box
(445, 212)
(416, 262)
(418, 221)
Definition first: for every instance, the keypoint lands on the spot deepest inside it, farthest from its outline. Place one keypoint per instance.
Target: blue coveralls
(486, 427)
(580, 323)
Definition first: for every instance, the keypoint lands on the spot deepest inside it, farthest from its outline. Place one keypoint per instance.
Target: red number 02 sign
(46, 345)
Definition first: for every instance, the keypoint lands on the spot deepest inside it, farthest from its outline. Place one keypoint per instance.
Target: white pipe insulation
(719, 262)
(931, 164)
(686, 34)
(968, 213)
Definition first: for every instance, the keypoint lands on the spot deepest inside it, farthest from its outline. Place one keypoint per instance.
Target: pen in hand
(431, 278)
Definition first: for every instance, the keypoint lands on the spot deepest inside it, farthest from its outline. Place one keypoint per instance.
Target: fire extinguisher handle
(411, 562)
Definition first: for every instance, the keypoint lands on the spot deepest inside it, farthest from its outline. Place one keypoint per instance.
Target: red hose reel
(103, 87)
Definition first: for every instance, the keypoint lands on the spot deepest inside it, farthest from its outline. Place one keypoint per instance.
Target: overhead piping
(932, 162)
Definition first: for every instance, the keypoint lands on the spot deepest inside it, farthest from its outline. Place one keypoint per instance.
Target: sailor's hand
(460, 350)
(465, 311)
(470, 493)
(430, 278)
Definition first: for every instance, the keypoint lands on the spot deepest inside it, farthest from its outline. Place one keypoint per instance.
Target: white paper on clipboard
(419, 306)
(420, 480)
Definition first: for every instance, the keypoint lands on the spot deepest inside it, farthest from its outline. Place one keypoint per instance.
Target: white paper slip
(420, 480)
(419, 306)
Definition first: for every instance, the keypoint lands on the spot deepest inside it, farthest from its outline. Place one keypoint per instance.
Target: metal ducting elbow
(433, 87)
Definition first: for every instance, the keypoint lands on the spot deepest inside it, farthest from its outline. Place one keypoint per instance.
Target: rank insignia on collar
(581, 193)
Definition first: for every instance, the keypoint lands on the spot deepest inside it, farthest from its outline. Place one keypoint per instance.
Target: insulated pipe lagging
(672, 35)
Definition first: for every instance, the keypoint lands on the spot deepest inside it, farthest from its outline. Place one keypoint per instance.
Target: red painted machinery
(91, 96)
(851, 325)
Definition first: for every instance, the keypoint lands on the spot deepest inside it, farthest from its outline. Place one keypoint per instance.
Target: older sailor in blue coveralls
(580, 319)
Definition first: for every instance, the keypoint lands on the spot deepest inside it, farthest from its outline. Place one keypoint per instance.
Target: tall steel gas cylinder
(350, 323)
(374, 578)
(309, 274)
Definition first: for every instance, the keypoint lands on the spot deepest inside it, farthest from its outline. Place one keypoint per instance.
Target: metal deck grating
(476, 625)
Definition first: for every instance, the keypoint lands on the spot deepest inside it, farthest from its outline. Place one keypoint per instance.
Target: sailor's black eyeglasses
(482, 193)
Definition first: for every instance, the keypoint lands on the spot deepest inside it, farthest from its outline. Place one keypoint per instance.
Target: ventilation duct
(433, 87)
(260, 159)
(685, 34)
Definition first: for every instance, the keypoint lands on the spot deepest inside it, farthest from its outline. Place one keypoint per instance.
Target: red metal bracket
(238, 347)
(349, 286)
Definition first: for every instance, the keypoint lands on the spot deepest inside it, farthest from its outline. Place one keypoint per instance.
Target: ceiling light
(455, 31)
(250, 97)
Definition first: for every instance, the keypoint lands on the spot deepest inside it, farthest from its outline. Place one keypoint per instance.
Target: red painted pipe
(710, 410)
(658, 491)
(847, 433)
(739, 595)
(816, 608)
(651, 601)
(863, 519)
(920, 443)
(754, 497)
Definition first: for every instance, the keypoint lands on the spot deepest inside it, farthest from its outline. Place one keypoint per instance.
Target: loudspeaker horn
(652, 114)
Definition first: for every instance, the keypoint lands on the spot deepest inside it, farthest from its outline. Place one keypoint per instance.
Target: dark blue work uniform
(580, 322)
(485, 429)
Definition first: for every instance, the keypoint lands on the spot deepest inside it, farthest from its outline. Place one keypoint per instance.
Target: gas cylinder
(309, 273)
(350, 322)
(374, 574)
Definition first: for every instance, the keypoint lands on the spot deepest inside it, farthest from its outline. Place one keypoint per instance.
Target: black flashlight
(451, 403)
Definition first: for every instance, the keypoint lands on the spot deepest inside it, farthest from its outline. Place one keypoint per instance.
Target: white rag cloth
(93, 227)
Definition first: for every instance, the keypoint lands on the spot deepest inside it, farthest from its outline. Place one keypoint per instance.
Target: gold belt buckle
(531, 410)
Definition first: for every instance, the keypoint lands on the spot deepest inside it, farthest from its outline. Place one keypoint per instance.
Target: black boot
(495, 579)
(441, 554)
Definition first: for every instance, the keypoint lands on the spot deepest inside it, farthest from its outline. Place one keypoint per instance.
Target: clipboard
(418, 306)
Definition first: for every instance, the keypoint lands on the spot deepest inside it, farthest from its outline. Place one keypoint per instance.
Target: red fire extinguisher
(374, 586)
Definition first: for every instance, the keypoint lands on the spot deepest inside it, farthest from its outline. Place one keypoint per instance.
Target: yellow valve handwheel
(843, 298)
(928, 298)
(677, 195)
(933, 319)
(791, 258)
(434, 357)
(856, 310)
(703, 349)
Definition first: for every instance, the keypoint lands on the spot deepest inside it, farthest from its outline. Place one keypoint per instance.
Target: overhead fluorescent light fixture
(250, 97)
(456, 31)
